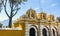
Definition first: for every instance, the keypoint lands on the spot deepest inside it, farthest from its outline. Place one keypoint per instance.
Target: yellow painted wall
(14, 32)
(21, 25)
(11, 33)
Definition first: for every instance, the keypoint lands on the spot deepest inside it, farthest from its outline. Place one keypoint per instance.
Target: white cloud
(0, 1)
(54, 4)
(35, 8)
(2, 19)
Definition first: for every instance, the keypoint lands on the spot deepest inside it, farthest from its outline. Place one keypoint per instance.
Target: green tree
(0, 25)
(58, 18)
(0, 5)
(14, 7)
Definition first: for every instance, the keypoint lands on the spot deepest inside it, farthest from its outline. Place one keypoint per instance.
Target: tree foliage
(14, 7)
(58, 18)
(0, 5)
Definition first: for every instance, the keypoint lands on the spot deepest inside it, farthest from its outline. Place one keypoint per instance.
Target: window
(53, 32)
(44, 32)
(32, 32)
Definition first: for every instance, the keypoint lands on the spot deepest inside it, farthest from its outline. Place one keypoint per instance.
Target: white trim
(42, 27)
(35, 29)
(30, 13)
(54, 30)
(10, 28)
(27, 28)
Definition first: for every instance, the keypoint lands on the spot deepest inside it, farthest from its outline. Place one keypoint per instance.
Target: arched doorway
(32, 32)
(44, 32)
(53, 32)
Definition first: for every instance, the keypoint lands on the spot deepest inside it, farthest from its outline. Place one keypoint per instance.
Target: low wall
(11, 32)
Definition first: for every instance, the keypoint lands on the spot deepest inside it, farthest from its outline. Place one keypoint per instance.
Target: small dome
(41, 15)
(50, 17)
(30, 13)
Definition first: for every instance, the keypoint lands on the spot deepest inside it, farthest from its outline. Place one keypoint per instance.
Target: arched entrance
(44, 32)
(32, 32)
(53, 32)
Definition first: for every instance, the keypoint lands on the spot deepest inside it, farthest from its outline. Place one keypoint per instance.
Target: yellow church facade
(36, 24)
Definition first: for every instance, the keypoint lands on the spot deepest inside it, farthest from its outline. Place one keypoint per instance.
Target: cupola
(31, 13)
(50, 17)
(41, 15)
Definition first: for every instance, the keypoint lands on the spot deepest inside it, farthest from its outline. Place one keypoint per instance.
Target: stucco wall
(11, 33)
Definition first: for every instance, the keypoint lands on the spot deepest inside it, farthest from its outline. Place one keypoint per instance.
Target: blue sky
(48, 6)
